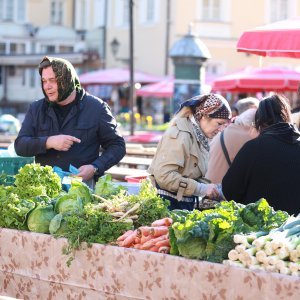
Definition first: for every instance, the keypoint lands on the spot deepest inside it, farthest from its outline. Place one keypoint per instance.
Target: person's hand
(86, 172)
(61, 142)
(212, 191)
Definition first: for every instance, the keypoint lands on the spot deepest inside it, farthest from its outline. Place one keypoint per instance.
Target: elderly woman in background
(180, 162)
(269, 165)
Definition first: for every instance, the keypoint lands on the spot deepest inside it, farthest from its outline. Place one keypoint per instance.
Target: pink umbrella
(165, 88)
(258, 79)
(280, 39)
(162, 89)
(115, 76)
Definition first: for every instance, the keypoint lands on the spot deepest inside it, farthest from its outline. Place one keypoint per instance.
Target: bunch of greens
(92, 225)
(208, 234)
(105, 187)
(152, 207)
(260, 215)
(36, 180)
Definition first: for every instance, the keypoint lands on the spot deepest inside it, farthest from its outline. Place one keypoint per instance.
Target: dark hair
(44, 64)
(271, 110)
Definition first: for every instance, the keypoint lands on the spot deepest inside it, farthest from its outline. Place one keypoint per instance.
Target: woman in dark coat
(268, 166)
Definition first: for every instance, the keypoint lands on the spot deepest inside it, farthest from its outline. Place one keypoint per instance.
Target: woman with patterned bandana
(180, 163)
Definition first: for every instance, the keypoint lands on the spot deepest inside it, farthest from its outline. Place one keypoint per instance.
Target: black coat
(90, 120)
(267, 167)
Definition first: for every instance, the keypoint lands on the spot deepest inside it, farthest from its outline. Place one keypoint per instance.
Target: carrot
(137, 240)
(164, 249)
(137, 246)
(147, 245)
(163, 243)
(153, 249)
(143, 230)
(159, 230)
(152, 242)
(129, 240)
(124, 236)
(145, 238)
(162, 222)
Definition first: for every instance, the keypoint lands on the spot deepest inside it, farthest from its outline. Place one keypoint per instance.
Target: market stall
(33, 267)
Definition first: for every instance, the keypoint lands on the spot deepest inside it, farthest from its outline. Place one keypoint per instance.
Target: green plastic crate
(11, 165)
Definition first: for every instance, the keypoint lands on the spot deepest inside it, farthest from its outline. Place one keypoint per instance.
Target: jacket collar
(184, 124)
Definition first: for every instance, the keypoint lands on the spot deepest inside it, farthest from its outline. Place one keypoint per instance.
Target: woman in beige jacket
(181, 158)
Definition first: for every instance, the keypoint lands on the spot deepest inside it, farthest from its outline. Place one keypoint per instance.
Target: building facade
(94, 34)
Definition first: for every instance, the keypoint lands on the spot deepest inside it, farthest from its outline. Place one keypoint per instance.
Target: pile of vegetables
(276, 251)
(35, 201)
(208, 234)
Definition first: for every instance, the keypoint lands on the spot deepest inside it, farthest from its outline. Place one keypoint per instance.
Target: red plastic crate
(134, 178)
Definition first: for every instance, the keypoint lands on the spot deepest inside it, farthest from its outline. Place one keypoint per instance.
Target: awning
(253, 79)
(279, 39)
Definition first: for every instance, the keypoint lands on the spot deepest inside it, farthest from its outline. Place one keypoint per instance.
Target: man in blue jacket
(69, 126)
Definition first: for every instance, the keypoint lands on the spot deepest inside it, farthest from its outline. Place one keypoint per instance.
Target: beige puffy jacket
(179, 159)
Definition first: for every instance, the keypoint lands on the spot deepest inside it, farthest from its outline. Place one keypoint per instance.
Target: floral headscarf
(211, 105)
(66, 76)
(214, 106)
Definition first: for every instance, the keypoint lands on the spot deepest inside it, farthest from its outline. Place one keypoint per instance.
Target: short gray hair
(246, 103)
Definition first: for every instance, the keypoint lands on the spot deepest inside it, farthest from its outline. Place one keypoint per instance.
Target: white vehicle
(9, 124)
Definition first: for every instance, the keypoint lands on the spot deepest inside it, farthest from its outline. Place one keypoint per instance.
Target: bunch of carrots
(152, 238)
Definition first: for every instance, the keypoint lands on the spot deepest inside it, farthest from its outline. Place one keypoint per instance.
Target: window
(48, 49)
(12, 10)
(57, 12)
(32, 77)
(214, 68)
(1, 75)
(20, 10)
(211, 10)
(11, 71)
(122, 13)
(279, 10)
(99, 13)
(125, 13)
(148, 11)
(2, 48)
(66, 49)
(13, 48)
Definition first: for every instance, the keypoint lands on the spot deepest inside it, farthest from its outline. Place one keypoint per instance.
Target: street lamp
(114, 45)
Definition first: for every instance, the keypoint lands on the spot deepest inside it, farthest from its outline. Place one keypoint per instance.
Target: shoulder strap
(224, 148)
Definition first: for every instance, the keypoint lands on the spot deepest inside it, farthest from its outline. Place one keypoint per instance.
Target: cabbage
(57, 225)
(68, 203)
(39, 218)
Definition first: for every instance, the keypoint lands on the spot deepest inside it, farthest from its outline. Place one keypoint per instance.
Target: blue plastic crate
(11, 165)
